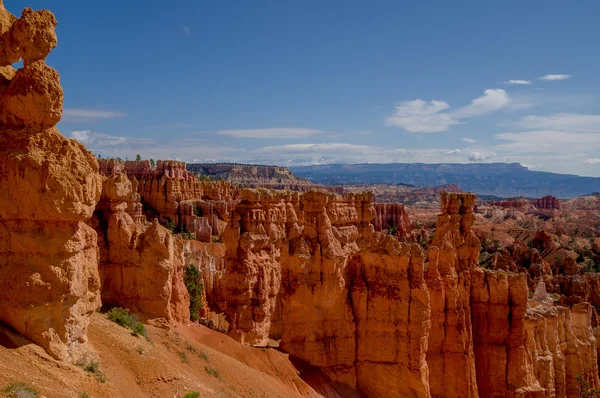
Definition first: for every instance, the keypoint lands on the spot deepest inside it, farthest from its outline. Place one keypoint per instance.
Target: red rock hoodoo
(49, 283)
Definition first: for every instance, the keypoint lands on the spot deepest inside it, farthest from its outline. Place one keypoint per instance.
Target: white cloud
(271, 133)
(93, 139)
(186, 30)
(89, 114)
(469, 140)
(549, 141)
(479, 156)
(577, 122)
(519, 82)
(123, 146)
(449, 151)
(555, 77)
(592, 161)
(491, 100)
(326, 153)
(420, 116)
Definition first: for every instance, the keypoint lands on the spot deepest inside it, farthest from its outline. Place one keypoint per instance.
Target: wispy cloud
(271, 133)
(186, 30)
(337, 152)
(519, 82)
(74, 114)
(592, 161)
(126, 146)
(419, 116)
(469, 140)
(555, 77)
(549, 141)
(96, 140)
(574, 122)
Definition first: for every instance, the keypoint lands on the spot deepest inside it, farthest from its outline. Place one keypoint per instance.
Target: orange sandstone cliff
(49, 283)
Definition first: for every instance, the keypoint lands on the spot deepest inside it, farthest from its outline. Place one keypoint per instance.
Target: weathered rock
(540, 351)
(143, 267)
(49, 283)
(392, 218)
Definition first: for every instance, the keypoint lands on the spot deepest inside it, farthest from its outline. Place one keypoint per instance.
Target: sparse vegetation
(194, 284)
(20, 390)
(183, 356)
(92, 366)
(122, 317)
(204, 355)
(585, 391)
(85, 395)
(141, 350)
(193, 394)
(212, 371)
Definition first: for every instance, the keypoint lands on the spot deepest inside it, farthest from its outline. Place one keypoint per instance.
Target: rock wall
(540, 351)
(49, 283)
(547, 202)
(309, 269)
(391, 217)
(141, 266)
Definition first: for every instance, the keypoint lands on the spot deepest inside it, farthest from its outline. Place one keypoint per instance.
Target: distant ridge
(498, 179)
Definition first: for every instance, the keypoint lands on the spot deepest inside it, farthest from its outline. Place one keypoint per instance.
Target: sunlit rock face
(49, 283)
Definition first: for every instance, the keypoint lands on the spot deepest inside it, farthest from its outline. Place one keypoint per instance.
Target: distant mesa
(499, 179)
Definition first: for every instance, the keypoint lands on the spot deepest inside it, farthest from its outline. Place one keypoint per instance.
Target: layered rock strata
(49, 283)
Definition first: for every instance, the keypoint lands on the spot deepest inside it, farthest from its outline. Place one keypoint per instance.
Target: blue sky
(304, 82)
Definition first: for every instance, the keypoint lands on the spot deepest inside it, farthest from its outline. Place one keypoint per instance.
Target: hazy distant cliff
(500, 179)
(252, 176)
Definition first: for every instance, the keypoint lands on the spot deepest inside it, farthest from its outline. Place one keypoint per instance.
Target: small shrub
(183, 356)
(194, 284)
(122, 317)
(21, 390)
(85, 395)
(212, 371)
(141, 350)
(93, 368)
(191, 348)
(585, 390)
(192, 394)
(204, 355)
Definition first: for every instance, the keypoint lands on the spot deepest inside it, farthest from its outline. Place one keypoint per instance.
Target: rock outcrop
(49, 283)
(141, 266)
(309, 270)
(392, 218)
(547, 202)
(256, 176)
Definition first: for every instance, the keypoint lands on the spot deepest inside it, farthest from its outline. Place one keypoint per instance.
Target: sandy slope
(170, 364)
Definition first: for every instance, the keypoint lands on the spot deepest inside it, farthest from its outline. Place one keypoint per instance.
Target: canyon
(319, 293)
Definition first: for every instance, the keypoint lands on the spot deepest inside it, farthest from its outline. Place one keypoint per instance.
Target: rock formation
(256, 176)
(141, 266)
(547, 202)
(49, 283)
(308, 269)
(391, 217)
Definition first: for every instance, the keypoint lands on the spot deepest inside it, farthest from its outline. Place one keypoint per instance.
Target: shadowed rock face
(49, 283)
